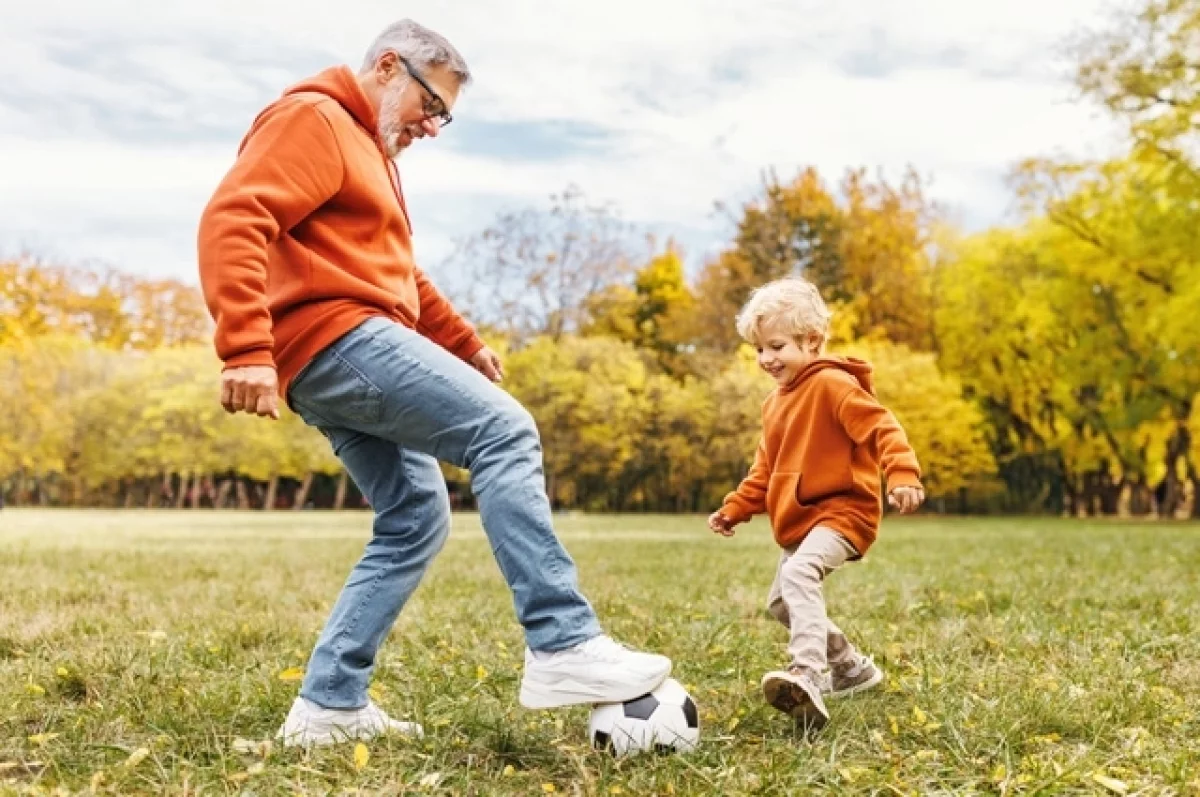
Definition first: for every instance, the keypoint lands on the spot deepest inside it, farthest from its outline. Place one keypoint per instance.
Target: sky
(118, 119)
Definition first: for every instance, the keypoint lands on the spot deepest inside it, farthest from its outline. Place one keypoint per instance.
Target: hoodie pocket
(783, 499)
(822, 483)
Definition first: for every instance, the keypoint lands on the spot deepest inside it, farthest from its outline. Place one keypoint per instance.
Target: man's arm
(287, 167)
(441, 323)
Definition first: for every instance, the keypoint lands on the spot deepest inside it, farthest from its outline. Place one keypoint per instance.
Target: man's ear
(386, 66)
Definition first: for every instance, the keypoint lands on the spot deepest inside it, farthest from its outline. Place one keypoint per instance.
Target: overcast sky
(117, 119)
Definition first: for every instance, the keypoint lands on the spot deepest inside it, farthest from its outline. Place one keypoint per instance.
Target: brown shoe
(797, 692)
(850, 680)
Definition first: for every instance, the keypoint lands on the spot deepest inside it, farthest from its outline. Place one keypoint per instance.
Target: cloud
(118, 119)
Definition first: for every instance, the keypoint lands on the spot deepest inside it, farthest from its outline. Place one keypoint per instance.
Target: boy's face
(782, 354)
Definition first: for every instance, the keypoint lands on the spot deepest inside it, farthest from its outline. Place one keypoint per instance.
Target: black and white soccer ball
(665, 720)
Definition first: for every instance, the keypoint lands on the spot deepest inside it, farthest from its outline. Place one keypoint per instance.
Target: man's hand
(720, 524)
(906, 499)
(251, 389)
(487, 362)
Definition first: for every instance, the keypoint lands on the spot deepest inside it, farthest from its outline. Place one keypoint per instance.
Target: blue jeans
(392, 403)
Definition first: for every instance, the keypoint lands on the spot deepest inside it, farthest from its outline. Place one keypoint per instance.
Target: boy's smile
(782, 355)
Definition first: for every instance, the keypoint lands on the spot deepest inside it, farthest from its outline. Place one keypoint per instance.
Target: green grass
(1023, 656)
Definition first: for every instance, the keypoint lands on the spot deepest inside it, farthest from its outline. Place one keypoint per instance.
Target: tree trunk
(272, 488)
(1177, 448)
(243, 497)
(181, 495)
(302, 491)
(339, 498)
(222, 494)
(1194, 477)
(1141, 497)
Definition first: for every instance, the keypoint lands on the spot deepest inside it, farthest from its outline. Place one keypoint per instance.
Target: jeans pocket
(334, 392)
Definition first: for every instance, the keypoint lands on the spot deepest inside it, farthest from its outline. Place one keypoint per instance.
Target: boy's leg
(801, 577)
(387, 381)
(775, 603)
(797, 691)
(838, 650)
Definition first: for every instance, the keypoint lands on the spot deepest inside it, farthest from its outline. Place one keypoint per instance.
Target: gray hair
(421, 47)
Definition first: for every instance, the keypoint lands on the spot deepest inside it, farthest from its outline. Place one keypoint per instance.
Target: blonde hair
(793, 303)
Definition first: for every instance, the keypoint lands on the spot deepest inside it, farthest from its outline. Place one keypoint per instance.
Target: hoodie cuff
(903, 478)
(734, 512)
(248, 358)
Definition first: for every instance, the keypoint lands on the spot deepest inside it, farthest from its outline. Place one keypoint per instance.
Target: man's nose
(431, 127)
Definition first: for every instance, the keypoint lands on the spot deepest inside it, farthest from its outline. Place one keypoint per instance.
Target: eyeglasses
(435, 106)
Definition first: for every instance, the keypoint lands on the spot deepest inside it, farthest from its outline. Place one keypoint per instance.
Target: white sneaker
(308, 724)
(597, 671)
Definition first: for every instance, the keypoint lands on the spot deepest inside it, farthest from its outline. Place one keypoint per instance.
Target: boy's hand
(720, 524)
(906, 499)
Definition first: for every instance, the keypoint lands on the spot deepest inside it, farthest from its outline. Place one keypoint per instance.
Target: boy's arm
(868, 422)
(750, 497)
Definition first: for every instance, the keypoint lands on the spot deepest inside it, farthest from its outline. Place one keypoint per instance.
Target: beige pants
(796, 600)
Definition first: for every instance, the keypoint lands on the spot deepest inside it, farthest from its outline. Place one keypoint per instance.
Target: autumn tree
(532, 270)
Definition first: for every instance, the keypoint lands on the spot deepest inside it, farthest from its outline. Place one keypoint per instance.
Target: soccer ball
(665, 720)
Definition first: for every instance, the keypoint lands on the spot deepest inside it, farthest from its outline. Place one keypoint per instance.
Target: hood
(859, 369)
(340, 84)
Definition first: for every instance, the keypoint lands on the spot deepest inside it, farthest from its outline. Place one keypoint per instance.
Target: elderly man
(306, 262)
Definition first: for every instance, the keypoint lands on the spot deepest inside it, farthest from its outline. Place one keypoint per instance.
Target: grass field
(156, 653)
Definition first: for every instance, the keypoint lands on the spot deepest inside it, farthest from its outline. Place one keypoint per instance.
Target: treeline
(1050, 366)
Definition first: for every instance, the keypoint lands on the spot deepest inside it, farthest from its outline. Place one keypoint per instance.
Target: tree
(867, 249)
(531, 272)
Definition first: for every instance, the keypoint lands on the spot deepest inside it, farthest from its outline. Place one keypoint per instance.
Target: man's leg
(387, 381)
(407, 491)
(412, 521)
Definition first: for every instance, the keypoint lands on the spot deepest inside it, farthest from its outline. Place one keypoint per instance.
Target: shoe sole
(872, 682)
(536, 694)
(307, 739)
(792, 699)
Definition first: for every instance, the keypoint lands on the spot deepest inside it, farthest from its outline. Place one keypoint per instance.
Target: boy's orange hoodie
(825, 439)
(308, 235)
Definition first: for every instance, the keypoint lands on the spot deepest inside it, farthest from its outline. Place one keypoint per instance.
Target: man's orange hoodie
(825, 439)
(308, 235)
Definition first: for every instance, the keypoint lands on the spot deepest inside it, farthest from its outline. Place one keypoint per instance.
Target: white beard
(391, 130)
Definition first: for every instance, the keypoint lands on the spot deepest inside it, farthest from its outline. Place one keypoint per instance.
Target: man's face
(414, 105)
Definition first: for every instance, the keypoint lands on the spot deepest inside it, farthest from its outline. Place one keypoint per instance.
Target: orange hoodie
(825, 439)
(308, 235)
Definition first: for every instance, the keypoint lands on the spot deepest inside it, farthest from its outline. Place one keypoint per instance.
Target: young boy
(825, 439)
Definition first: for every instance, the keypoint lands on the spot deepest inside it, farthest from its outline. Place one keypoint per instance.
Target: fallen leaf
(256, 769)
(548, 788)
(361, 755)
(136, 757)
(35, 689)
(509, 771)
(616, 790)
(480, 673)
(1112, 784)
(919, 716)
(42, 738)
(431, 780)
(733, 723)
(292, 674)
(97, 780)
